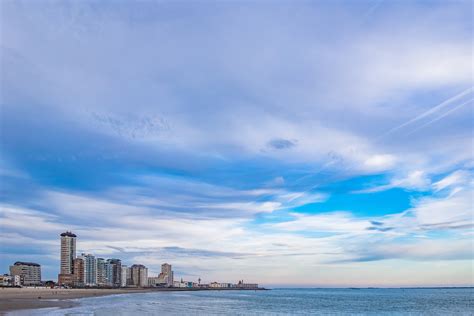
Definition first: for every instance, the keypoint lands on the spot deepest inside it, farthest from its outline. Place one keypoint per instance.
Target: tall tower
(68, 252)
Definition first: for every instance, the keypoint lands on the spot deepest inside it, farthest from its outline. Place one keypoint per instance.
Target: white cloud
(458, 177)
(454, 211)
(380, 162)
(415, 180)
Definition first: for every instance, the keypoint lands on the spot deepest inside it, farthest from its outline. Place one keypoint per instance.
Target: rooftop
(21, 263)
(68, 234)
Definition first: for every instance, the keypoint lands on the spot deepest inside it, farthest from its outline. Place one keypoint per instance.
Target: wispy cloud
(247, 145)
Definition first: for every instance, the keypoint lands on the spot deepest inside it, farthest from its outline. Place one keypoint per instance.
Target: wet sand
(14, 299)
(32, 298)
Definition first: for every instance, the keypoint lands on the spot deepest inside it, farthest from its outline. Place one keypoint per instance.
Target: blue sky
(308, 143)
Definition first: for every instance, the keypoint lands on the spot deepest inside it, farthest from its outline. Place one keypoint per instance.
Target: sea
(373, 301)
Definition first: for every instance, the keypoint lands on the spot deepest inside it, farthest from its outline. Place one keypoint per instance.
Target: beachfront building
(243, 285)
(10, 280)
(139, 275)
(124, 277)
(186, 284)
(79, 280)
(114, 272)
(221, 285)
(153, 281)
(101, 272)
(29, 272)
(90, 269)
(68, 254)
(129, 276)
(167, 274)
(164, 279)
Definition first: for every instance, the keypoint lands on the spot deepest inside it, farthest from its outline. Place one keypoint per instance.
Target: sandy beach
(32, 298)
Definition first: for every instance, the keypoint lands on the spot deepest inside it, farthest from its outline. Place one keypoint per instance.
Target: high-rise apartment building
(109, 274)
(79, 279)
(68, 252)
(115, 273)
(90, 270)
(139, 275)
(29, 272)
(129, 276)
(123, 277)
(101, 272)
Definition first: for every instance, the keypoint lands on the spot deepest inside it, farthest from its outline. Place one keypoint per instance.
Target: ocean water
(280, 302)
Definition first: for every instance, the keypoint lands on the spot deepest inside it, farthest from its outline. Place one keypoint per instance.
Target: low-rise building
(157, 281)
(66, 280)
(10, 280)
(29, 272)
(243, 285)
(221, 285)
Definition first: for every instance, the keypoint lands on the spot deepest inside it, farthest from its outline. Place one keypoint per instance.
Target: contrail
(441, 116)
(429, 112)
(372, 9)
(415, 119)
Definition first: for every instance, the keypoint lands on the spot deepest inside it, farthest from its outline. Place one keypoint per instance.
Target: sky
(286, 143)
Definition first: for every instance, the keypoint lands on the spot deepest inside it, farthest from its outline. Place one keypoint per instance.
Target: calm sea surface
(281, 302)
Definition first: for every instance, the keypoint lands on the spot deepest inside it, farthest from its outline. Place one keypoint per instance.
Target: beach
(32, 298)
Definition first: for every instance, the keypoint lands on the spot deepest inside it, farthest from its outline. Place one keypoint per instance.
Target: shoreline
(16, 299)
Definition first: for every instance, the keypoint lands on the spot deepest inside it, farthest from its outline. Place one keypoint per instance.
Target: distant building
(66, 280)
(243, 285)
(123, 277)
(101, 272)
(157, 281)
(186, 284)
(90, 269)
(114, 272)
(129, 276)
(68, 252)
(79, 279)
(167, 274)
(29, 272)
(221, 285)
(139, 275)
(10, 280)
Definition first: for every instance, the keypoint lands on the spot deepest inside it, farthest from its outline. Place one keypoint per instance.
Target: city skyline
(292, 144)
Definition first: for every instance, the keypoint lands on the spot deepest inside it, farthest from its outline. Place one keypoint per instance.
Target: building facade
(243, 285)
(79, 280)
(167, 274)
(101, 272)
(90, 269)
(68, 252)
(139, 275)
(29, 272)
(123, 278)
(10, 280)
(114, 276)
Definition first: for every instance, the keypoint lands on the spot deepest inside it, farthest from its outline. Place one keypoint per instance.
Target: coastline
(15, 299)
